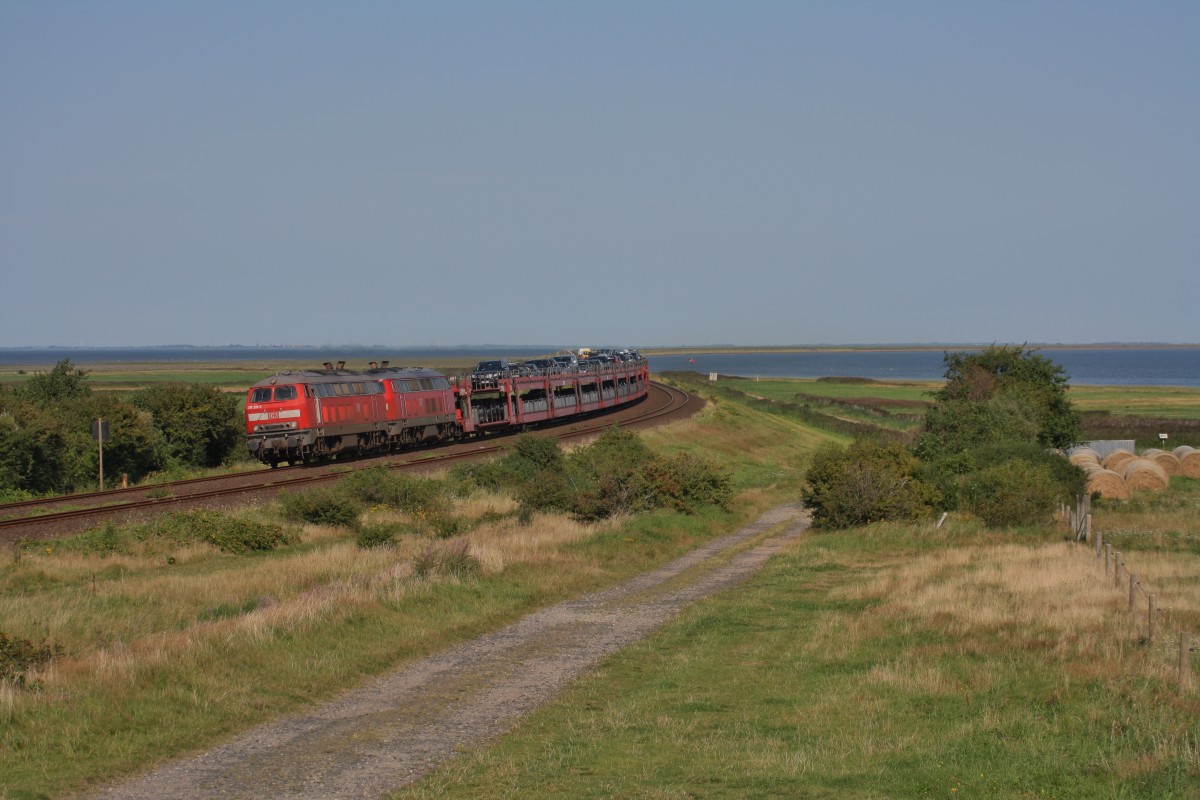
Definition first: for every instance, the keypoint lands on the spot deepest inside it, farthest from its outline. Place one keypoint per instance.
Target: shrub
(381, 486)
(685, 483)
(445, 526)
(534, 454)
(234, 535)
(1012, 494)
(452, 559)
(546, 491)
(952, 476)
(19, 656)
(864, 483)
(493, 475)
(376, 536)
(617, 453)
(321, 507)
(104, 539)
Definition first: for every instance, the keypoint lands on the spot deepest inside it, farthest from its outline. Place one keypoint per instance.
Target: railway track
(60, 516)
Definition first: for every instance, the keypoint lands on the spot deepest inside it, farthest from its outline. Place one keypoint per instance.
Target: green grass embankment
(169, 644)
(893, 661)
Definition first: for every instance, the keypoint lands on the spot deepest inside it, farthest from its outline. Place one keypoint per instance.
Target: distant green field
(784, 389)
(1160, 402)
(1163, 402)
(230, 375)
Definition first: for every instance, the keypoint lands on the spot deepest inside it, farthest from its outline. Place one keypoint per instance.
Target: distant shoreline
(899, 348)
(650, 350)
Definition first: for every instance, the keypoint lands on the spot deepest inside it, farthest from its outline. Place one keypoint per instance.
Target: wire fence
(1151, 623)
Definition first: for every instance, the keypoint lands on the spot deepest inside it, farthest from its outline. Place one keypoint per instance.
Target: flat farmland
(1160, 402)
(228, 375)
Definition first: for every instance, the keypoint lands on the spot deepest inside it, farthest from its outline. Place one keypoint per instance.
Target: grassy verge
(887, 662)
(168, 644)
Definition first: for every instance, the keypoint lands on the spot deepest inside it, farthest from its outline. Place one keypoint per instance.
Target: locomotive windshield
(263, 394)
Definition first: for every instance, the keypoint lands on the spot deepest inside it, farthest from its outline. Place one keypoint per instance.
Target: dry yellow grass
(1049, 598)
(206, 601)
(507, 541)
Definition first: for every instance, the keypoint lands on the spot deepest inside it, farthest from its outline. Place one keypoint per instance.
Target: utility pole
(100, 433)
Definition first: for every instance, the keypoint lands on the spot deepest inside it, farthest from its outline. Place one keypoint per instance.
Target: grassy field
(888, 662)
(170, 645)
(883, 662)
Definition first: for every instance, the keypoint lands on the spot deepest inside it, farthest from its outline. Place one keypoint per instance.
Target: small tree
(866, 482)
(1033, 387)
(199, 424)
(64, 382)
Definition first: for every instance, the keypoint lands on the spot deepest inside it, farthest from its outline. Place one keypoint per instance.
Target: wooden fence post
(1133, 585)
(1117, 568)
(1185, 662)
(1107, 557)
(1099, 543)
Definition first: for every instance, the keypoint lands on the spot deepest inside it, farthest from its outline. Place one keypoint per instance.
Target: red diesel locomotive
(298, 417)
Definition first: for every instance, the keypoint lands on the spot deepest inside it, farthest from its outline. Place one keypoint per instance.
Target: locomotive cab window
(262, 395)
(285, 392)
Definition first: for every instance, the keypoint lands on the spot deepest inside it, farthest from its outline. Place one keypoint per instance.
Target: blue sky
(651, 173)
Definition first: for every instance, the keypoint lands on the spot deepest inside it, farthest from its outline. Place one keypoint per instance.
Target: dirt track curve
(402, 725)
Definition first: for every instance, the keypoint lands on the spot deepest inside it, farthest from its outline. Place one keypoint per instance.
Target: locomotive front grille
(275, 426)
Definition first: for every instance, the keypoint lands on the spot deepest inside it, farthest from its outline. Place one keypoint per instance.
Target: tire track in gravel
(402, 725)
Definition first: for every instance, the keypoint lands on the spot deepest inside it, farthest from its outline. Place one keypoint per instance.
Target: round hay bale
(1108, 484)
(1142, 473)
(1116, 458)
(1189, 461)
(1167, 461)
(1083, 450)
(1086, 457)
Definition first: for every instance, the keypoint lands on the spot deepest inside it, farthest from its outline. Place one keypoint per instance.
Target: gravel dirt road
(402, 725)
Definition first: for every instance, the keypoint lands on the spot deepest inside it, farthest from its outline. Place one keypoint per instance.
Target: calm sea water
(1173, 366)
(1168, 366)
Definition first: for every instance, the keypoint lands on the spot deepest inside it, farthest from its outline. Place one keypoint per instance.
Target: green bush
(546, 491)
(104, 539)
(952, 476)
(376, 536)
(381, 486)
(866, 482)
(1011, 494)
(19, 656)
(684, 483)
(200, 425)
(617, 453)
(452, 559)
(493, 475)
(234, 535)
(445, 526)
(9, 495)
(321, 507)
(532, 455)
